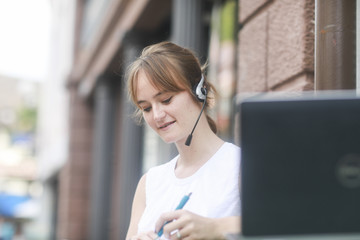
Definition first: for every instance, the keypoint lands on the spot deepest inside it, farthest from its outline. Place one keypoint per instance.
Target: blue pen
(180, 206)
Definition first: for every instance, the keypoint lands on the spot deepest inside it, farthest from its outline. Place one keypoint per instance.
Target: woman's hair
(169, 67)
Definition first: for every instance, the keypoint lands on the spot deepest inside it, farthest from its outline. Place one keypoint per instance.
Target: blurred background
(70, 153)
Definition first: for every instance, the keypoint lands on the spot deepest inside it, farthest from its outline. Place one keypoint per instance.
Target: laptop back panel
(300, 170)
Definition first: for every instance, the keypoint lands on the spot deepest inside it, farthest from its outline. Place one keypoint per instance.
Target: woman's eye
(147, 109)
(167, 100)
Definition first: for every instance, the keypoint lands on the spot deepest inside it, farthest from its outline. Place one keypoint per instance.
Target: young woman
(170, 90)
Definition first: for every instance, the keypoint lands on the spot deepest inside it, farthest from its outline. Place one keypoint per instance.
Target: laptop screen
(300, 167)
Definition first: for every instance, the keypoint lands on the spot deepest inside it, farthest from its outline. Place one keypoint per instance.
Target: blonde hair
(169, 67)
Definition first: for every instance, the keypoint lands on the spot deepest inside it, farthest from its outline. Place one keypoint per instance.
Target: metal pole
(358, 46)
(335, 44)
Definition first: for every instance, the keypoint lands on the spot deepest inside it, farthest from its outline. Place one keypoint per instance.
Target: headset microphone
(200, 93)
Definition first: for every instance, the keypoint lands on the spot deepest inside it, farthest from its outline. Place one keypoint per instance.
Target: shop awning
(13, 206)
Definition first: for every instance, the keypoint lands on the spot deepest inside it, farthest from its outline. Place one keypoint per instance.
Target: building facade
(251, 46)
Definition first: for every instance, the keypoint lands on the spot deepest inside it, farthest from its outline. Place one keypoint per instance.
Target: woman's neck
(203, 146)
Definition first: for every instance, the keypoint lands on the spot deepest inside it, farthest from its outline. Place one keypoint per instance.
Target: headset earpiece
(200, 91)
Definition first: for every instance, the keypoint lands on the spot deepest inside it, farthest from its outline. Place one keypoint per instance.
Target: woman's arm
(193, 226)
(138, 207)
(228, 225)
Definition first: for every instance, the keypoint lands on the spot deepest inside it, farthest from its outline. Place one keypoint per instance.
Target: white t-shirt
(214, 187)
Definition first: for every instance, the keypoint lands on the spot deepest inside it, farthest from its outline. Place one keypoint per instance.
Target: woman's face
(171, 115)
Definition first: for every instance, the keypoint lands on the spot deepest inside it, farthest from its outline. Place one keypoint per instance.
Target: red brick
(77, 230)
(81, 138)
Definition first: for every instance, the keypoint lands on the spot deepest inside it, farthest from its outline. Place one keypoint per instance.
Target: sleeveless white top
(214, 187)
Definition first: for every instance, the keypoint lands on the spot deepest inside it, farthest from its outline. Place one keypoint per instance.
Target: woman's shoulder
(232, 146)
(165, 167)
(229, 156)
(231, 149)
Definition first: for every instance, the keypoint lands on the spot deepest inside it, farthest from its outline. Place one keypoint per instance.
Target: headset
(200, 92)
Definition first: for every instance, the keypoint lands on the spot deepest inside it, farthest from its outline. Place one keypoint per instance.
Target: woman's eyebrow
(156, 95)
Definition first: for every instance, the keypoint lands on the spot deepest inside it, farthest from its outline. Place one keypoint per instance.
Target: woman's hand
(144, 236)
(190, 226)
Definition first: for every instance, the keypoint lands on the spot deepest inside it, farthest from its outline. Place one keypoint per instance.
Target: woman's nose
(158, 112)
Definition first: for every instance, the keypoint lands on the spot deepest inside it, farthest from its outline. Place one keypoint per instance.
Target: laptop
(300, 166)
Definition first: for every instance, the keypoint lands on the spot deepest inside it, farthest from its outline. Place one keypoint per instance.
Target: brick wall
(74, 187)
(276, 45)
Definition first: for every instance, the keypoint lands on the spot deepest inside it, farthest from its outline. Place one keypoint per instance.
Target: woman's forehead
(144, 78)
(162, 83)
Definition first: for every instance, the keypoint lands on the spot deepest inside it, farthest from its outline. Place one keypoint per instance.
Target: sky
(24, 38)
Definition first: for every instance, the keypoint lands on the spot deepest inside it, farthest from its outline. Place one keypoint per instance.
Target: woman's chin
(170, 140)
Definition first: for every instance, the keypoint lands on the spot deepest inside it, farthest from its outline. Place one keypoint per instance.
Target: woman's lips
(166, 125)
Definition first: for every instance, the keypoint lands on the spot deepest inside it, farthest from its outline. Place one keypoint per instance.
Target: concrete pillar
(131, 139)
(187, 24)
(102, 160)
